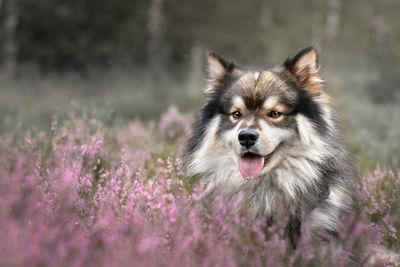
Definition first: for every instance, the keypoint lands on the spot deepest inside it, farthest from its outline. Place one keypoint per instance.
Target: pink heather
(76, 198)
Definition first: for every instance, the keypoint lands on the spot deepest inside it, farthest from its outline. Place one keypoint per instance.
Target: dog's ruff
(283, 114)
(309, 168)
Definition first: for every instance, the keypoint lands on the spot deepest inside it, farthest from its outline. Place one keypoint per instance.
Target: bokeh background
(134, 59)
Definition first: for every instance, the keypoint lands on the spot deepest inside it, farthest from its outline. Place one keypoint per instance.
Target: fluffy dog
(270, 132)
(269, 135)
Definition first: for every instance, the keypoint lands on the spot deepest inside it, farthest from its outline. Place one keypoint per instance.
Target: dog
(271, 133)
(270, 136)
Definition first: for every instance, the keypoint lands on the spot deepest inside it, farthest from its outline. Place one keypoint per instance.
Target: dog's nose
(247, 138)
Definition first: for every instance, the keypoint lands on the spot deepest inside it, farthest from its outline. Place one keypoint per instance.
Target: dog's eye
(236, 115)
(274, 114)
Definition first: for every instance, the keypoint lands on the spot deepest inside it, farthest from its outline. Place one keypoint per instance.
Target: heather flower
(174, 125)
(90, 195)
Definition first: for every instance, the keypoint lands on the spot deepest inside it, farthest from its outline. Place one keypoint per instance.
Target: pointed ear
(304, 67)
(218, 68)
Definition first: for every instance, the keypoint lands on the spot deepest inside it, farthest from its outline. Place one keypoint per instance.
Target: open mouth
(251, 165)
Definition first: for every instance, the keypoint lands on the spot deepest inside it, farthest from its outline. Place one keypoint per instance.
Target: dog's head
(262, 110)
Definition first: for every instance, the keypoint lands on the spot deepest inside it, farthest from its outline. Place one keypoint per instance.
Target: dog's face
(258, 115)
(259, 109)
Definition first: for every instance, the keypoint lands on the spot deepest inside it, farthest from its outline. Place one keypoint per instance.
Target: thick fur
(307, 169)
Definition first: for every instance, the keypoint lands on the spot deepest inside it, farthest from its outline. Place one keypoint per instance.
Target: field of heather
(97, 99)
(87, 193)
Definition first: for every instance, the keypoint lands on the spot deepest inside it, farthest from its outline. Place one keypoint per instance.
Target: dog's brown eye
(274, 114)
(237, 114)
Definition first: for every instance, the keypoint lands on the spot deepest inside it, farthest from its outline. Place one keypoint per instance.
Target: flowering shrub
(89, 195)
(174, 125)
(381, 190)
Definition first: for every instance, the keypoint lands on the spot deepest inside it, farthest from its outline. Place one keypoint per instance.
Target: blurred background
(134, 59)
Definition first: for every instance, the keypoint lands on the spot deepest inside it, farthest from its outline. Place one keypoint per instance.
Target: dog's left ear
(304, 67)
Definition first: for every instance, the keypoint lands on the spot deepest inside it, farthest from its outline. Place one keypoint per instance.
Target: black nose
(247, 138)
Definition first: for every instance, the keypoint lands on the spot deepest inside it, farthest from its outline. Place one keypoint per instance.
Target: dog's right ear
(218, 69)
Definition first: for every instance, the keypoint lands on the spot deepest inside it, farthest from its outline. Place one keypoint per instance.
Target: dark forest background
(133, 59)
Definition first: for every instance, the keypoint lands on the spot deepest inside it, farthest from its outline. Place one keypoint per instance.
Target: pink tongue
(250, 166)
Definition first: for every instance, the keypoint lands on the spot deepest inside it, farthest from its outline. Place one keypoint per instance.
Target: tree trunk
(10, 42)
(317, 21)
(385, 54)
(379, 30)
(333, 20)
(154, 28)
